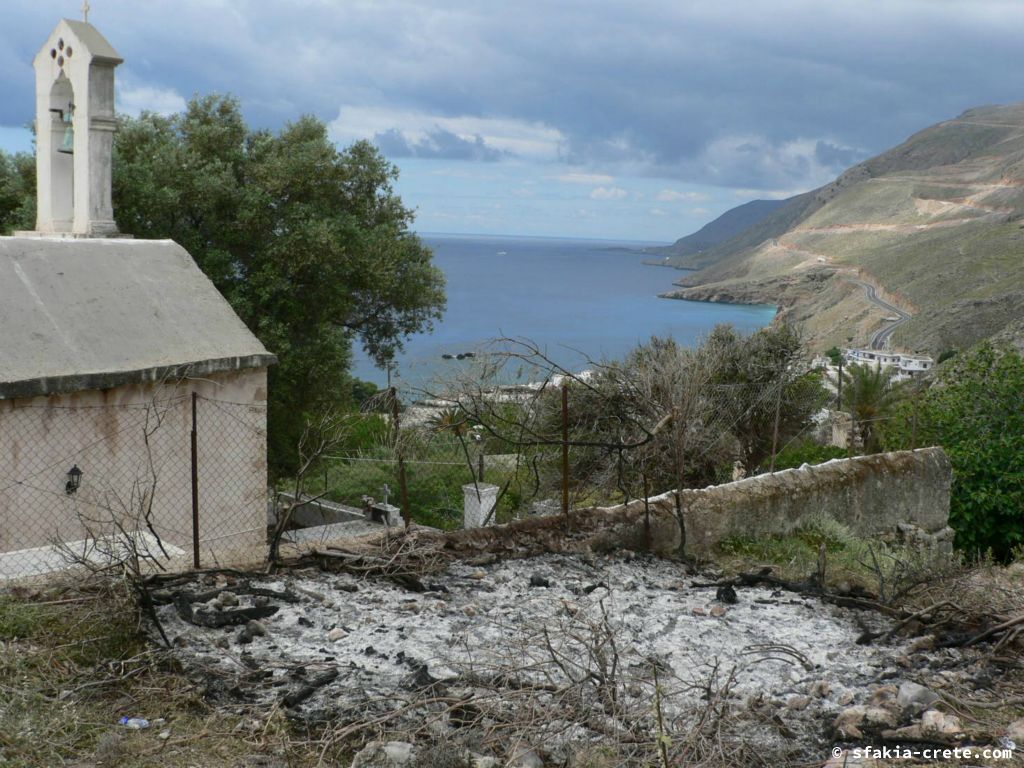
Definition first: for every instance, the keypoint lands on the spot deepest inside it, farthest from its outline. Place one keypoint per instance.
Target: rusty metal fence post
(403, 483)
(775, 428)
(565, 450)
(913, 427)
(195, 486)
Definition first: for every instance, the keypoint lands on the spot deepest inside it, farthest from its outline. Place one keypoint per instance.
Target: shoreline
(667, 265)
(754, 303)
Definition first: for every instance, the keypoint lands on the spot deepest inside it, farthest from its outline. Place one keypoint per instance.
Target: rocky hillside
(935, 224)
(687, 251)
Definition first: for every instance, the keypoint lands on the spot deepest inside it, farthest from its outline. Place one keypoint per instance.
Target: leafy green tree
(17, 192)
(310, 244)
(834, 355)
(975, 413)
(363, 391)
(870, 395)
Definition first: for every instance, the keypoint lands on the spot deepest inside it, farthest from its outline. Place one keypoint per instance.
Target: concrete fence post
(480, 499)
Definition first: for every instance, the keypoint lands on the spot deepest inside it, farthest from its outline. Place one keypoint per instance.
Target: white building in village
(112, 351)
(906, 365)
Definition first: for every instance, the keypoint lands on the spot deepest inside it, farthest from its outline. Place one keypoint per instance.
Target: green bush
(807, 452)
(975, 413)
(435, 489)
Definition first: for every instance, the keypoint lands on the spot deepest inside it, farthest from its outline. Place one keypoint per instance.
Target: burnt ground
(565, 653)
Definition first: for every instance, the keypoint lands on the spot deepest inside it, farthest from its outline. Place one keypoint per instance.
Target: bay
(573, 298)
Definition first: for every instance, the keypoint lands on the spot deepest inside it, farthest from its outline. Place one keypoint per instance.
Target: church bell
(68, 145)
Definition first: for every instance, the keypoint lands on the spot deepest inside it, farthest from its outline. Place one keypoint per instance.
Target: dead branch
(992, 631)
(318, 439)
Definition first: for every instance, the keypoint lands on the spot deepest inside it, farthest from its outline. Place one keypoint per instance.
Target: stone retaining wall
(870, 495)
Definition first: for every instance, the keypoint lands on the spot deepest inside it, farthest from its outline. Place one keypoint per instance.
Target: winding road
(880, 338)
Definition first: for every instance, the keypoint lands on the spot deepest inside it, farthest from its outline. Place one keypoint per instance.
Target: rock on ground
(378, 754)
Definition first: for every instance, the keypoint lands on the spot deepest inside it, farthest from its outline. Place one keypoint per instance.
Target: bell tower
(75, 126)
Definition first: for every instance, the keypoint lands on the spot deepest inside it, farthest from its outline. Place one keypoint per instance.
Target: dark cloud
(437, 144)
(833, 156)
(740, 94)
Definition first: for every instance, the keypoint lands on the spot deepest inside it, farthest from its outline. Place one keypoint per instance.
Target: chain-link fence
(184, 476)
(179, 476)
(424, 467)
(529, 452)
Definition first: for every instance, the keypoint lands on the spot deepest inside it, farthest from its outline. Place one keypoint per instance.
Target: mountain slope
(934, 224)
(728, 225)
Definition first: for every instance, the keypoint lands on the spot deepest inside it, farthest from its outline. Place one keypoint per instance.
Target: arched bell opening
(62, 143)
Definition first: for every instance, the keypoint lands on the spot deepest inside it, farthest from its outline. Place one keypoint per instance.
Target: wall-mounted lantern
(74, 480)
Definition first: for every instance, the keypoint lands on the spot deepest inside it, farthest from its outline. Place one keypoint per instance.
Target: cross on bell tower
(75, 126)
(85, 11)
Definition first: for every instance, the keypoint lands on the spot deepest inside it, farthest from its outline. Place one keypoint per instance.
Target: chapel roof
(91, 313)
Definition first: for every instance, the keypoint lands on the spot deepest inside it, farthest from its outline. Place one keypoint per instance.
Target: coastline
(665, 263)
(720, 297)
(830, 312)
(779, 292)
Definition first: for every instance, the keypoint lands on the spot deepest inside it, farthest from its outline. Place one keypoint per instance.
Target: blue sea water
(568, 296)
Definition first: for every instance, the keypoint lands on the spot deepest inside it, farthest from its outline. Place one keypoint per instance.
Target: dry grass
(893, 572)
(73, 661)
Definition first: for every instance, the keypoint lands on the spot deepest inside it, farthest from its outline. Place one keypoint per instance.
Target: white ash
(383, 639)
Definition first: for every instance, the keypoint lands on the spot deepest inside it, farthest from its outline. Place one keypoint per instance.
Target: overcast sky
(633, 120)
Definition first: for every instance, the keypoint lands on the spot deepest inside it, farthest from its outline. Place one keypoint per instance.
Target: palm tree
(869, 394)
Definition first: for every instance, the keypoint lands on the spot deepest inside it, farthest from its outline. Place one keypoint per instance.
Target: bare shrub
(665, 417)
(319, 437)
(121, 539)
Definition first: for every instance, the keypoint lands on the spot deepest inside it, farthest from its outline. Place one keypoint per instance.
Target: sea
(577, 300)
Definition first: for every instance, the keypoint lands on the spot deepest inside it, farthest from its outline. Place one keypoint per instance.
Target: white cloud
(583, 178)
(522, 138)
(135, 99)
(608, 193)
(746, 193)
(658, 212)
(672, 195)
